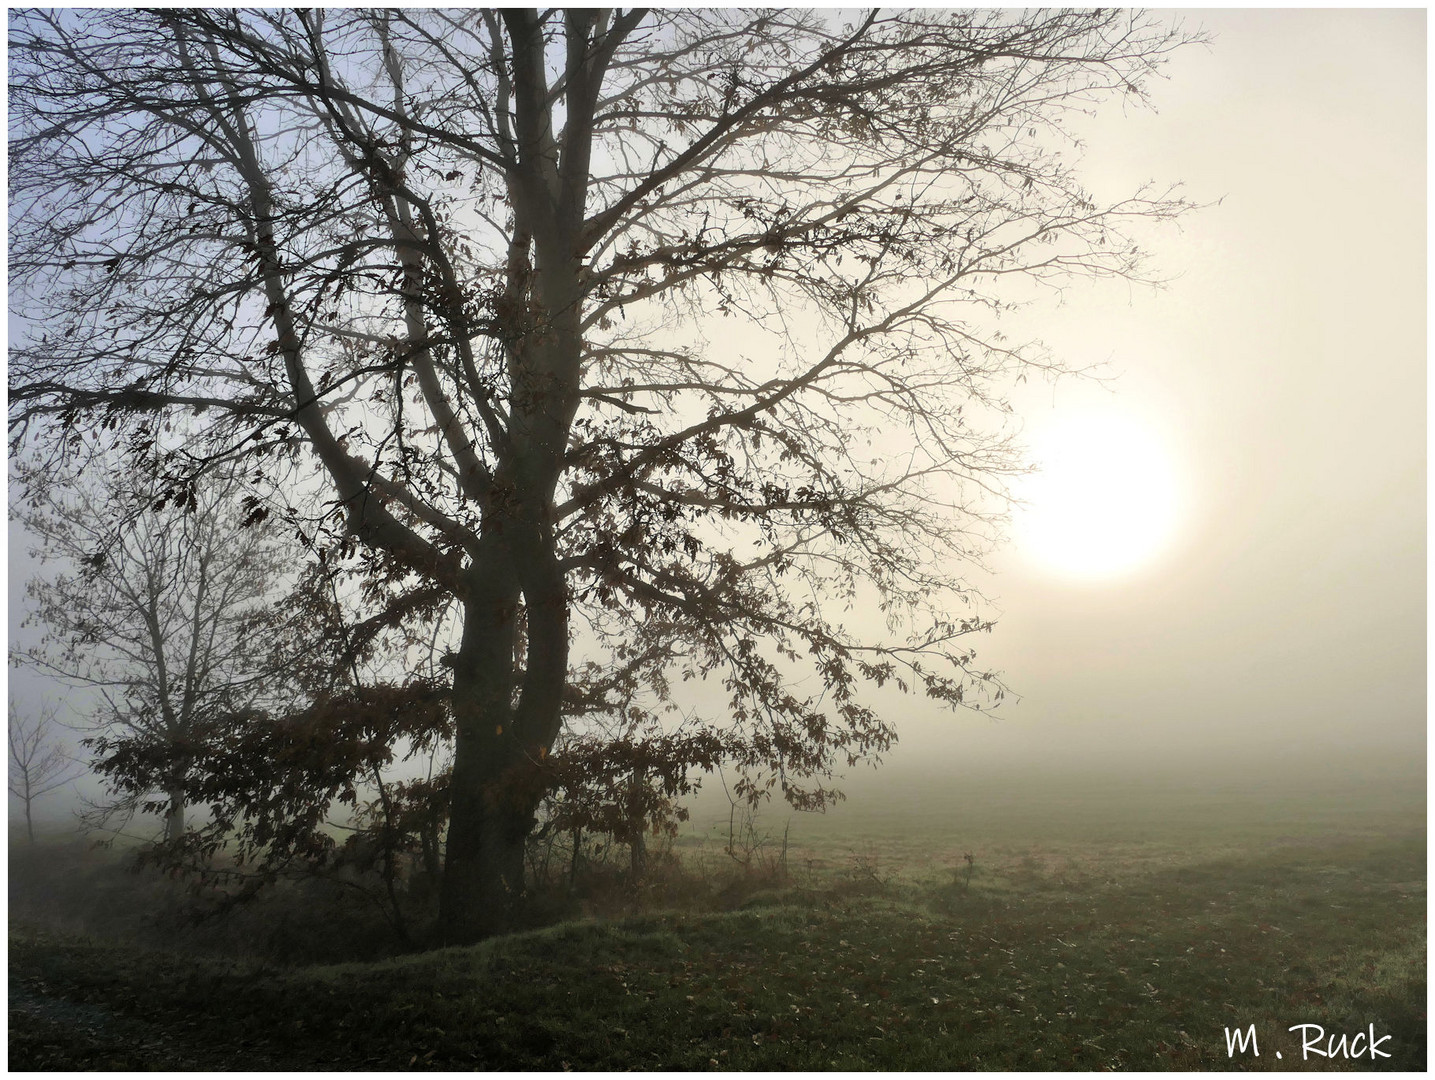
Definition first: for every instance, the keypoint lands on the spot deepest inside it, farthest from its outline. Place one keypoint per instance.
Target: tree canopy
(651, 342)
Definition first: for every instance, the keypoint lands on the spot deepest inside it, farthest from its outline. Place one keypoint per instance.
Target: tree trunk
(174, 816)
(483, 876)
(483, 864)
(637, 849)
(29, 822)
(499, 745)
(501, 739)
(428, 840)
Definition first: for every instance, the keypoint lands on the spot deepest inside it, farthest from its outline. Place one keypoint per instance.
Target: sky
(1276, 395)
(1281, 379)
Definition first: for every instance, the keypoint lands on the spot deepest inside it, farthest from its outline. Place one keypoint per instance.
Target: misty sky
(1284, 370)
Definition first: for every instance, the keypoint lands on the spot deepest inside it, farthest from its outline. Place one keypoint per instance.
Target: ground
(1135, 932)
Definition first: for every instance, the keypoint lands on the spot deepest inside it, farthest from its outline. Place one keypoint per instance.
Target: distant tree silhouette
(39, 763)
(165, 615)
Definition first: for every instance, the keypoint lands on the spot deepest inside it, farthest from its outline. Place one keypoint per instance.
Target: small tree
(305, 761)
(626, 783)
(164, 611)
(39, 762)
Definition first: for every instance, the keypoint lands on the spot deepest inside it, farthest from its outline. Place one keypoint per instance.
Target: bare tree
(671, 334)
(164, 615)
(39, 762)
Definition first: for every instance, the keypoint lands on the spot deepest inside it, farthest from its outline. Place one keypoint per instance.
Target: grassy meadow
(1101, 923)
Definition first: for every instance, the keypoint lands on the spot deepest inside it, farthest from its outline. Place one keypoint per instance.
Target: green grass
(1124, 942)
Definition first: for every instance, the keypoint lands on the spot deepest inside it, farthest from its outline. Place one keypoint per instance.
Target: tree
(653, 337)
(164, 615)
(38, 762)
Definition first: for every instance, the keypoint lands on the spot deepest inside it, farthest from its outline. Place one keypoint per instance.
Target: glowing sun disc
(1104, 501)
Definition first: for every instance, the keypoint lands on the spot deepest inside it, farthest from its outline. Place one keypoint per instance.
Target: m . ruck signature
(1313, 1041)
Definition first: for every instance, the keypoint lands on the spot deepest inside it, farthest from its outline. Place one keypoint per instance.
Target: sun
(1105, 500)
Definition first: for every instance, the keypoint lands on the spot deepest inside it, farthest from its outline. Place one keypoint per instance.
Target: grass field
(1121, 925)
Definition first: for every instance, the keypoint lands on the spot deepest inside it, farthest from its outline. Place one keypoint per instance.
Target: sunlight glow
(1105, 500)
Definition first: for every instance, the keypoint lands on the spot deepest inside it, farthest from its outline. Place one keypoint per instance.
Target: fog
(1282, 624)
(1199, 801)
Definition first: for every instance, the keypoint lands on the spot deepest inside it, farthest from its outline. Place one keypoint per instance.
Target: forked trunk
(502, 736)
(504, 729)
